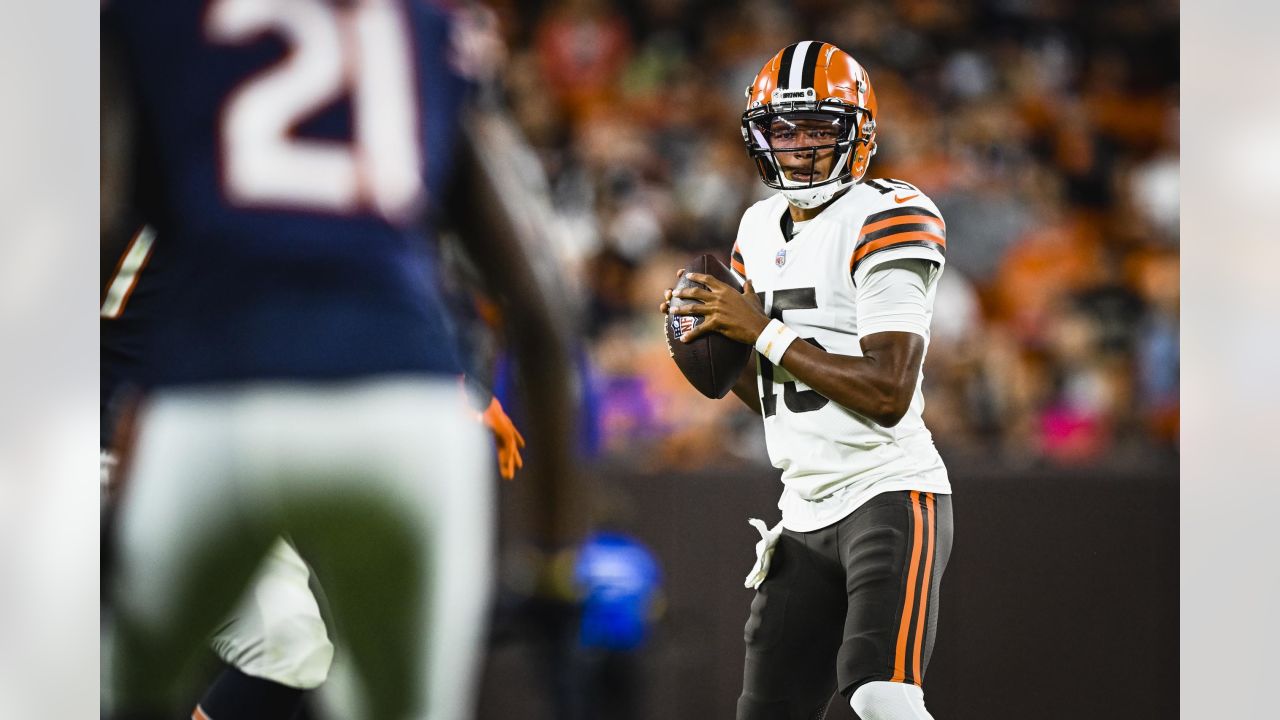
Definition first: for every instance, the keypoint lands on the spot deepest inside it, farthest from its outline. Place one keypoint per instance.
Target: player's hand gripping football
(737, 316)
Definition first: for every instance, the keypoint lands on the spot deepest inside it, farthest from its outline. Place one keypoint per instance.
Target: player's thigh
(895, 550)
(945, 526)
(793, 634)
(462, 558)
(185, 548)
(397, 521)
(277, 632)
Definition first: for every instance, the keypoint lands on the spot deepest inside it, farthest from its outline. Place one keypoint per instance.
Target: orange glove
(509, 439)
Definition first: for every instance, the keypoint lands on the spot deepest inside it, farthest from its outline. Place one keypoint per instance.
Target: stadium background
(1047, 132)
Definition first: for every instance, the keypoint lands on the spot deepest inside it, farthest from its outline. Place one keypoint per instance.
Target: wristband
(774, 341)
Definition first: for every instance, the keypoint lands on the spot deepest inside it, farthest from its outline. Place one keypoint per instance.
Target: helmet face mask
(804, 150)
(810, 141)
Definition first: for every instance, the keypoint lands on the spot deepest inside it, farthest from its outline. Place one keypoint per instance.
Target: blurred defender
(275, 645)
(847, 586)
(304, 370)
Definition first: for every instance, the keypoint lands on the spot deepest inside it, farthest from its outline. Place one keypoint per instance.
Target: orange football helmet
(815, 90)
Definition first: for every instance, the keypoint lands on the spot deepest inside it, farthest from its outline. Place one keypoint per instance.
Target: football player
(302, 372)
(841, 278)
(275, 644)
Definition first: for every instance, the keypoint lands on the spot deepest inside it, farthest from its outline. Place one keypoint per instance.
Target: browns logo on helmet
(810, 101)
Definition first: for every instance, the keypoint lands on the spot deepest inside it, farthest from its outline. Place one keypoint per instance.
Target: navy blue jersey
(288, 150)
(134, 295)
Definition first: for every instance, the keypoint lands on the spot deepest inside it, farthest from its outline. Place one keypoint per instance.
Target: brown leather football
(713, 362)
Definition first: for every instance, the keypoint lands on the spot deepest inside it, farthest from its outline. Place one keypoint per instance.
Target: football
(713, 362)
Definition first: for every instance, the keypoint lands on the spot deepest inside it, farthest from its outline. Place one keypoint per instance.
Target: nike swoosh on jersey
(901, 200)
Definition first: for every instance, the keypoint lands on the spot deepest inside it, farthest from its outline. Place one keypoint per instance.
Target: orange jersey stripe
(902, 220)
(736, 262)
(922, 615)
(900, 657)
(885, 242)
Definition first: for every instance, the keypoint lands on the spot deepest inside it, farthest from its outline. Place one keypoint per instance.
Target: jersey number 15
(797, 401)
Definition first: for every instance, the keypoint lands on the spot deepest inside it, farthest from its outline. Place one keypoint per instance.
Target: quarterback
(841, 278)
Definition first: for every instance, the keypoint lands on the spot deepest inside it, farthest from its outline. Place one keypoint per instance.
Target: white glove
(764, 551)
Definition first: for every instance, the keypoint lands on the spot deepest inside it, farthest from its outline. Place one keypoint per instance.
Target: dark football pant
(244, 697)
(848, 604)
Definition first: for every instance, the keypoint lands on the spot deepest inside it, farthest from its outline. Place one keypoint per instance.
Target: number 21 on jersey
(361, 49)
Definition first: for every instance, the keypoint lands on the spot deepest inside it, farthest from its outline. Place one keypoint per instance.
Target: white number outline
(364, 50)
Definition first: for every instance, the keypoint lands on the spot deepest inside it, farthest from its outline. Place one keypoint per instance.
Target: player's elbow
(890, 407)
(889, 417)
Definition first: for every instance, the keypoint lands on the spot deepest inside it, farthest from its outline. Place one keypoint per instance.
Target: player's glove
(508, 439)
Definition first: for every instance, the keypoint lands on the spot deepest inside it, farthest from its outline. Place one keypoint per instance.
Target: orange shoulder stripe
(905, 238)
(902, 220)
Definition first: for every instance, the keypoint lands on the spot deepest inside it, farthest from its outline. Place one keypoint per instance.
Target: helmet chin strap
(811, 197)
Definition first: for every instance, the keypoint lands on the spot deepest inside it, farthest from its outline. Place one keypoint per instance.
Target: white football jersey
(833, 459)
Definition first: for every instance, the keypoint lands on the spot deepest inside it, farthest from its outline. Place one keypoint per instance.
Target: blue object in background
(620, 579)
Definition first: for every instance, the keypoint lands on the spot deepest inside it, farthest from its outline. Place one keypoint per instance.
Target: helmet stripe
(784, 66)
(811, 66)
(794, 80)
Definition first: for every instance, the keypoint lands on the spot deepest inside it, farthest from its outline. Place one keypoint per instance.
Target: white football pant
(382, 485)
(276, 632)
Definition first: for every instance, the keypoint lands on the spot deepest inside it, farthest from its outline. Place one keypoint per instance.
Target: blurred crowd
(1045, 130)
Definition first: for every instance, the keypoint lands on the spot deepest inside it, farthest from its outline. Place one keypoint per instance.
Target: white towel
(764, 551)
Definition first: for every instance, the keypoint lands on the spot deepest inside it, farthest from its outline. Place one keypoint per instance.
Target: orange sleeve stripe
(904, 627)
(904, 238)
(902, 220)
(925, 585)
(736, 261)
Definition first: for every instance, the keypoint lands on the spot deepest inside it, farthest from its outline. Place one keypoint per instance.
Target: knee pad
(889, 701)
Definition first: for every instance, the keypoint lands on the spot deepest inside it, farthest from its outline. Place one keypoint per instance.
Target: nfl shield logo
(781, 258)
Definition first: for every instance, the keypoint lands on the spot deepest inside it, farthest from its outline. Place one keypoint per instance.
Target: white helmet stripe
(797, 64)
